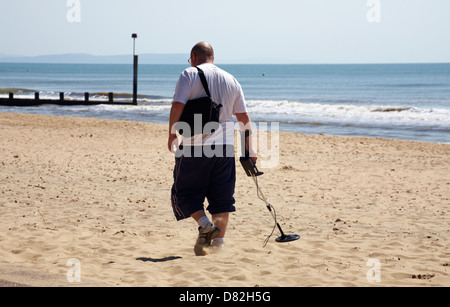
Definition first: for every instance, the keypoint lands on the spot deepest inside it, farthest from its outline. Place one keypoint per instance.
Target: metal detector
(252, 171)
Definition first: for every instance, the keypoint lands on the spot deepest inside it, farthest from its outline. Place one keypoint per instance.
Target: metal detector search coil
(252, 171)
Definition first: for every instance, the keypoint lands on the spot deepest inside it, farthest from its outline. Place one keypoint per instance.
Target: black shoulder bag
(199, 112)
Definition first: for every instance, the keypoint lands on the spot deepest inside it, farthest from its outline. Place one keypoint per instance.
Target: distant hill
(82, 58)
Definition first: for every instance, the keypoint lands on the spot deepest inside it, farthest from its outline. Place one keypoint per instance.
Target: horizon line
(17, 59)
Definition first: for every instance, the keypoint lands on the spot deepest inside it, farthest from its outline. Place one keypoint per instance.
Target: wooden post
(86, 97)
(135, 81)
(36, 96)
(61, 96)
(11, 96)
(111, 97)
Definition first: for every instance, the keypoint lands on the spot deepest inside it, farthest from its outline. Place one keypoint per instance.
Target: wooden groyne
(37, 101)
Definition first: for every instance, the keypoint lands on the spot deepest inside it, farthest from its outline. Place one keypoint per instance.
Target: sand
(370, 212)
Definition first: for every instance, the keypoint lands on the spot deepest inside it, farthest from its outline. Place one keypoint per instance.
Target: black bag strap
(204, 82)
(205, 86)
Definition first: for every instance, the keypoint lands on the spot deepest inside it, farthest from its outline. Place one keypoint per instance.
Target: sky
(241, 31)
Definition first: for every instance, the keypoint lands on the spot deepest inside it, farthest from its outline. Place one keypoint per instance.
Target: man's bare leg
(198, 215)
(221, 221)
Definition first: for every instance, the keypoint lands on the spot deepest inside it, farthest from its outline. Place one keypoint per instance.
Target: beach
(370, 211)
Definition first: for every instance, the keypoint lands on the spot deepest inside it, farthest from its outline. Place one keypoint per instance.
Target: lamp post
(135, 68)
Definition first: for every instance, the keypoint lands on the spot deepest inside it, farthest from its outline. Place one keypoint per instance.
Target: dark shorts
(199, 177)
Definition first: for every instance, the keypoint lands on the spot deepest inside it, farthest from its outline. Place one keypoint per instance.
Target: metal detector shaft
(263, 197)
(252, 171)
(269, 207)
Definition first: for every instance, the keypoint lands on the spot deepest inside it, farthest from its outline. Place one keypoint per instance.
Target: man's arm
(245, 124)
(175, 114)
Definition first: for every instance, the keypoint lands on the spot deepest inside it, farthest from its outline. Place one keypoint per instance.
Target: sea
(397, 101)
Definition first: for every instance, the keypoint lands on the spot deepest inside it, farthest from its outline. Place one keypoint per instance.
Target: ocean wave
(270, 110)
(295, 110)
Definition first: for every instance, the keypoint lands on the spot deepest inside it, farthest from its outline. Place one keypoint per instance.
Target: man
(197, 177)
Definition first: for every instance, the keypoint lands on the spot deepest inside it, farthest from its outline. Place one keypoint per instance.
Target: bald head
(202, 52)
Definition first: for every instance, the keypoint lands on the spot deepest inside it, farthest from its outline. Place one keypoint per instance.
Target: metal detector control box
(250, 166)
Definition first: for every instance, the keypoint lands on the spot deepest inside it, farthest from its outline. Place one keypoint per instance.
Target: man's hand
(175, 114)
(253, 154)
(245, 124)
(172, 143)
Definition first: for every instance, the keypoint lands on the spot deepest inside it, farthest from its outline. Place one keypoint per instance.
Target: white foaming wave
(293, 109)
(143, 105)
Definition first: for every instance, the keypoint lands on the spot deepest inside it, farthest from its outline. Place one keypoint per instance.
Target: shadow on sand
(155, 260)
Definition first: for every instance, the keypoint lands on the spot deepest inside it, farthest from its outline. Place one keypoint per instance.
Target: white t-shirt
(224, 89)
